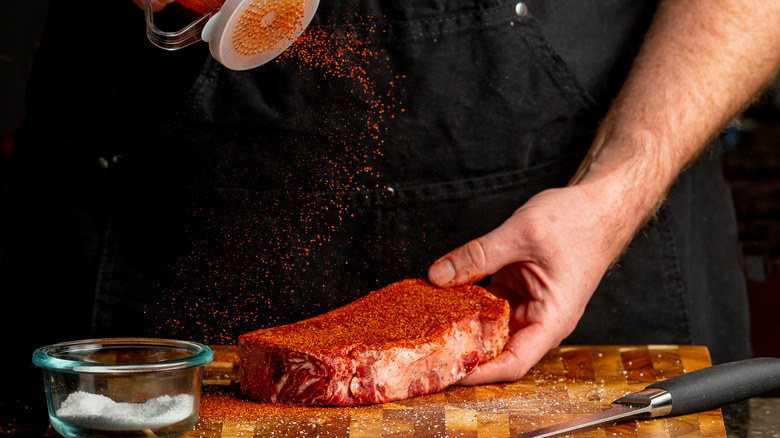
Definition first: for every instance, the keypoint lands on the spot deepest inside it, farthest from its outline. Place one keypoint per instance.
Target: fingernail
(442, 272)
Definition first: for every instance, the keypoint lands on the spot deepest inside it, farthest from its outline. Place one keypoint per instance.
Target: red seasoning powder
(202, 6)
(264, 24)
(223, 282)
(399, 313)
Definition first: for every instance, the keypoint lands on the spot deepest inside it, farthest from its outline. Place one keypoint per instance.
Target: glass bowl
(130, 387)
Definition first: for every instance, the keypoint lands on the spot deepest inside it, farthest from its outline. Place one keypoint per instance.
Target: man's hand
(157, 5)
(548, 258)
(702, 62)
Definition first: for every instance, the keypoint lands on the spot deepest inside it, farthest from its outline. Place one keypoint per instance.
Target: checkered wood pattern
(569, 382)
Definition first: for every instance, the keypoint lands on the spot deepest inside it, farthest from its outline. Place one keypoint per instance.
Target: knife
(697, 391)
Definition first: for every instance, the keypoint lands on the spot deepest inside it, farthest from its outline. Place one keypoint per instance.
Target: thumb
(471, 262)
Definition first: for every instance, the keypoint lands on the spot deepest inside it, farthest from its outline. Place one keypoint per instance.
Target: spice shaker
(242, 34)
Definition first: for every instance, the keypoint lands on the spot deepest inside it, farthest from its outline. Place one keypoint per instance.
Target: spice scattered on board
(569, 382)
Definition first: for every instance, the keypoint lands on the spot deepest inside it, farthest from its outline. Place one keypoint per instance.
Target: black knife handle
(719, 385)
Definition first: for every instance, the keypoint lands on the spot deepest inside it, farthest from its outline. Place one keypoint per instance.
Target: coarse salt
(95, 411)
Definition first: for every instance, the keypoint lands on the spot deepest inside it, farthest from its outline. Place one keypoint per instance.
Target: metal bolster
(656, 401)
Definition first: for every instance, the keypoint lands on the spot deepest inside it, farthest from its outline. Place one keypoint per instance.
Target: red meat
(407, 339)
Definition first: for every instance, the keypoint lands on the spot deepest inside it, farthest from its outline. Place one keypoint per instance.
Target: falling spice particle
(255, 260)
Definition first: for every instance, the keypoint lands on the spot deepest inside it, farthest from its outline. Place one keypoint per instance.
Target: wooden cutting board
(569, 382)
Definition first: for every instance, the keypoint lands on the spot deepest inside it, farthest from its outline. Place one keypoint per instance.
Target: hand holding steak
(407, 339)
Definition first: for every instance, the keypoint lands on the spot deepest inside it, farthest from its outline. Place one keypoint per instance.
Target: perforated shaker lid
(247, 33)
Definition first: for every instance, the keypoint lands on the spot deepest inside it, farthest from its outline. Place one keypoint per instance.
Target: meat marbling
(407, 339)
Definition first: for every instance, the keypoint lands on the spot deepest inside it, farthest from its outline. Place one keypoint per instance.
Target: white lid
(247, 33)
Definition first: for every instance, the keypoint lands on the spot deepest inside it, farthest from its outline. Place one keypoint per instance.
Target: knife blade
(697, 391)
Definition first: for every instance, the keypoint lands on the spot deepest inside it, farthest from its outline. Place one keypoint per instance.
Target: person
(559, 153)
(689, 80)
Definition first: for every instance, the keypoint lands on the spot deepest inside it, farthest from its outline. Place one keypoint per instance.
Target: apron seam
(558, 69)
(376, 33)
(378, 196)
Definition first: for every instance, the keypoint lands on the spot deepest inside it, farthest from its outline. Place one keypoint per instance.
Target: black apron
(368, 150)
(155, 202)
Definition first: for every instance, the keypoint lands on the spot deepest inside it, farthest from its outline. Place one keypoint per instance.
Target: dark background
(752, 166)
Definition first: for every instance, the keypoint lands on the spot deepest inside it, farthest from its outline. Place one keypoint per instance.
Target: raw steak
(407, 339)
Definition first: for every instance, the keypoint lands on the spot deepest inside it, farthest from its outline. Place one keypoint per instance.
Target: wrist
(626, 176)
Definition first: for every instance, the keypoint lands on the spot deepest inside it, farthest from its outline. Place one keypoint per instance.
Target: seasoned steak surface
(407, 339)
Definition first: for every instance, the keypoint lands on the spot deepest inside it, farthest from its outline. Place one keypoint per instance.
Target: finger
(157, 5)
(524, 349)
(471, 262)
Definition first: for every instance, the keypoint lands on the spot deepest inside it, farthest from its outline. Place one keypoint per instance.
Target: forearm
(701, 64)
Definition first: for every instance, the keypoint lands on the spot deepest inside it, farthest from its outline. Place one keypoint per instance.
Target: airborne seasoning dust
(243, 274)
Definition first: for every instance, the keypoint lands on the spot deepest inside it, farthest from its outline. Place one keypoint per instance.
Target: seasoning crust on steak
(407, 339)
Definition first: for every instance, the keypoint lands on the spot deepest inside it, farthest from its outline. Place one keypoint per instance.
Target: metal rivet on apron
(521, 9)
(116, 159)
(103, 163)
(389, 192)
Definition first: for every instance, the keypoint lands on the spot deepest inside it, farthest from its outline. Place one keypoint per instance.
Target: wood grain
(569, 382)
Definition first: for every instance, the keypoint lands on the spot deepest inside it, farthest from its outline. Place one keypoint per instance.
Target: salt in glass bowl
(130, 387)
